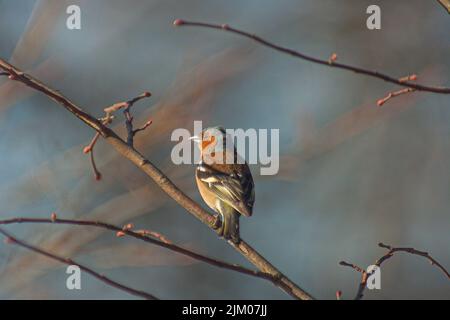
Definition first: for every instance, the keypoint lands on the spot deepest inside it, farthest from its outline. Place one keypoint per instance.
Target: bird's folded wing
(235, 189)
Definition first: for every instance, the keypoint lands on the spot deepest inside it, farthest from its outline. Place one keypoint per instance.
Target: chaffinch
(225, 184)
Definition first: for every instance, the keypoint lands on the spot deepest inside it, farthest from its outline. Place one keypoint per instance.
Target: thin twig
(364, 277)
(13, 240)
(394, 94)
(90, 149)
(149, 237)
(412, 77)
(153, 234)
(391, 251)
(91, 145)
(126, 105)
(145, 126)
(97, 174)
(413, 251)
(129, 118)
(329, 63)
(158, 177)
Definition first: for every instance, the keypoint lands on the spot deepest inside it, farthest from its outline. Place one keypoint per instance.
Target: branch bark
(330, 62)
(391, 251)
(157, 176)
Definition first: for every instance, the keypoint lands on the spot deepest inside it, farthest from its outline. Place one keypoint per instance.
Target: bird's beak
(195, 138)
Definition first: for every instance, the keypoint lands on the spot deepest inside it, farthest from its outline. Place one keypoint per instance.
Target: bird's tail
(230, 225)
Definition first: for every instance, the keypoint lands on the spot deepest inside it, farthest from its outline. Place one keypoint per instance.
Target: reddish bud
(53, 217)
(11, 77)
(148, 123)
(225, 26)
(338, 294)
(411, 77)
(128, 226)
(333, 57)
(147, 94)
(380, 102)
(120, 234)
(87, 149)
(178, 22)
(98, 176)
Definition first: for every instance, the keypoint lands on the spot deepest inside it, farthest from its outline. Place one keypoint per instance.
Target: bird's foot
(235, 240)
(217, 224)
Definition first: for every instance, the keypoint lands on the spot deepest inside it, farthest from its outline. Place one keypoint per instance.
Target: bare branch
(329, 62)
(394, 94)
(413, 251)
(392, 250)
(97, 174)
(153, 238)
(145, 126)
(129, 118)
(90, 149)
(400, 92)
(158, 177)
(13, 240)
(126, 105)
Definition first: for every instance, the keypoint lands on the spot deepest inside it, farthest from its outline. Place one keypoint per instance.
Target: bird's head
(211, 140)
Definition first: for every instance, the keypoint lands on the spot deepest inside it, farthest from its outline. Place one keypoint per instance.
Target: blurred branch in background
(445, 4)
(318, 141)
(392, 250)
(39, 29)
(154, 173)
(29, 48)
(13, 240)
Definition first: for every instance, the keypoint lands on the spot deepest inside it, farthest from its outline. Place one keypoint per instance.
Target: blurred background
(351, 174)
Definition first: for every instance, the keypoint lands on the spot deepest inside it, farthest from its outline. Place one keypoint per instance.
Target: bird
(226, 186)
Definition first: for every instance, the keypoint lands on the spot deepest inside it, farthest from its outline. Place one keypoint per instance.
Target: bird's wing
(235, 189)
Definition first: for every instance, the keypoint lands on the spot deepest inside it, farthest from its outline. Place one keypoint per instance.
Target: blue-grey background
(352, 174)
